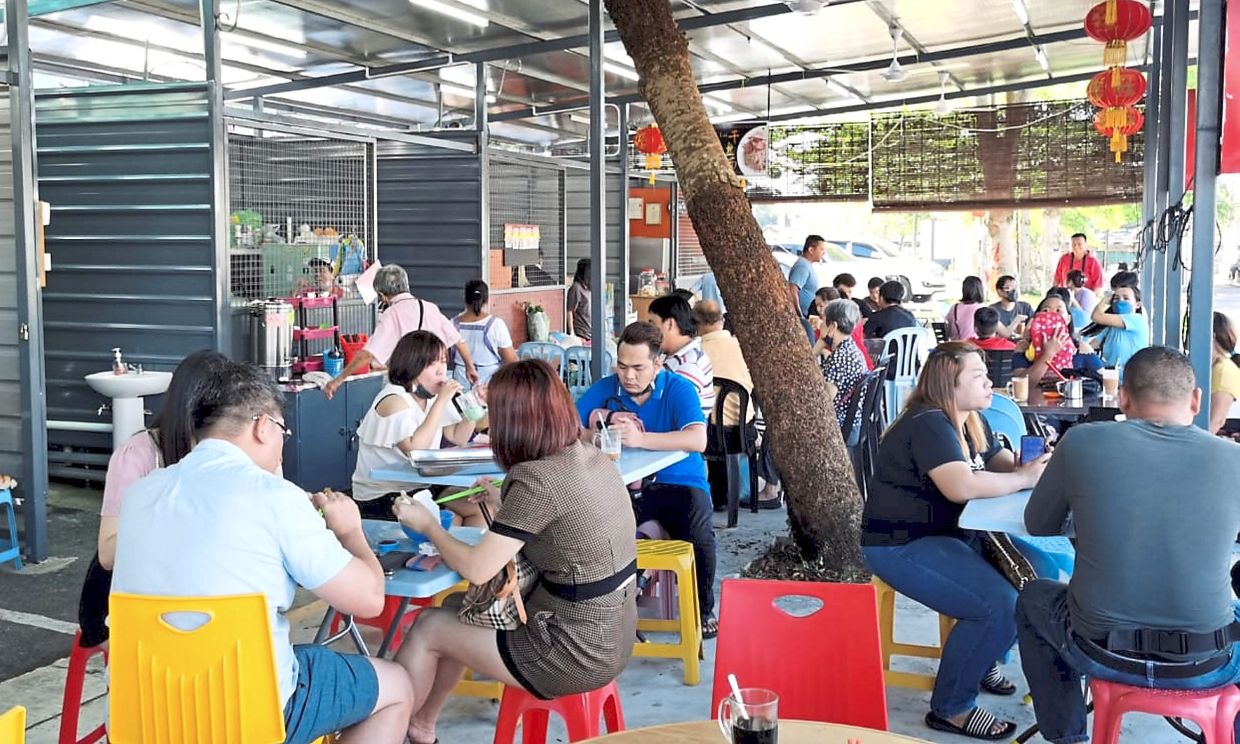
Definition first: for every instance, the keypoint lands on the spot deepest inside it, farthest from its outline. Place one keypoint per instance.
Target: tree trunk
(1001, 227)
(823, 503)
(1049, 252)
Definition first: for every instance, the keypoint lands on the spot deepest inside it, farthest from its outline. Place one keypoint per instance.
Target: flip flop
(710, 627)
(979, 725)
(996, 684)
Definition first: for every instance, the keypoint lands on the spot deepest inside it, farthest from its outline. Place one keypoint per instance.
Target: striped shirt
(692, 364)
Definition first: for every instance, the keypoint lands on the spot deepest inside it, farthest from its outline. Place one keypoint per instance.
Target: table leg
(390, 635)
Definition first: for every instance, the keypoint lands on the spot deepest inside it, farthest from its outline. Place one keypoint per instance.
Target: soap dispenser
(118, 367)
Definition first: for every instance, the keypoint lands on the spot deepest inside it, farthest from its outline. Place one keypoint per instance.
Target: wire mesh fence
(527, 222)
(300, 213)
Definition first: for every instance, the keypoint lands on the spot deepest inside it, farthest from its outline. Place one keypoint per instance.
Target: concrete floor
(38, 608)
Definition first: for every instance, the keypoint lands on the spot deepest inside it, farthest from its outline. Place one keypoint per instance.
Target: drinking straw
(736, 695)
(465, 494)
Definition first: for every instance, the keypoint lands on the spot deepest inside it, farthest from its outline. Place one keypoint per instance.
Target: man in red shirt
(1079, 259)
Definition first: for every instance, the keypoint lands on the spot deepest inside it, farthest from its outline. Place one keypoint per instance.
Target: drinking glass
(755, 720)
(609, 441)
(471, 407)
(1018, 388)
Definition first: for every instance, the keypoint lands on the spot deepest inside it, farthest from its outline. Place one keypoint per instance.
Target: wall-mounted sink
(129, 385)
(126, 392)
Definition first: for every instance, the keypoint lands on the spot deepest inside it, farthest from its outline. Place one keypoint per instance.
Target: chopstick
(465, 494)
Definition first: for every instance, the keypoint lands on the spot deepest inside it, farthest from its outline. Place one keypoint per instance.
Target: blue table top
(634, 465)
(407, 582)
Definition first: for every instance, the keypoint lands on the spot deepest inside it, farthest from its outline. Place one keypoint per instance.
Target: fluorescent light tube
(453, 12)
(1022, 13)
(623, 72)
(1040, 53)
(462, 91)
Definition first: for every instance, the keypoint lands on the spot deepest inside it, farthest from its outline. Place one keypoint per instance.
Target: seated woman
(960, 316)
(1224, 373)
(937, 456)
(565, 508)
(165, 444)
(827, 295)
(842, 362)
(1125, 330)
(488, 339)
(414, 411)
(1052, 341)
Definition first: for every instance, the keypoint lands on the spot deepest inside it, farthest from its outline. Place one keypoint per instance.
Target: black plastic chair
(729, 444)
(861, 435)
(999, 367)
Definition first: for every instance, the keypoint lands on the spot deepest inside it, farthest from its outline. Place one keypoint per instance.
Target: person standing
(402, 313)
(1150, 603)
(803, 280)
(1080, 258)
(488, 338)
(578, 301)
(707, 288)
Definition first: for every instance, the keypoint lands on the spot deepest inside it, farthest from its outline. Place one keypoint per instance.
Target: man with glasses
(221, 522)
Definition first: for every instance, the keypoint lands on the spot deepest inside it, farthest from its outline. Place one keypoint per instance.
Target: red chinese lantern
(1115, 23)
(1119, 133)
(649, 141)
(1113, 97)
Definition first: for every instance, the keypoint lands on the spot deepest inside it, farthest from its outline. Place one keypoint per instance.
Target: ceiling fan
(894, 72)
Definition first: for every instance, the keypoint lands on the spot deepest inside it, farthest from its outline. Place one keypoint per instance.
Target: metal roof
(391, 61)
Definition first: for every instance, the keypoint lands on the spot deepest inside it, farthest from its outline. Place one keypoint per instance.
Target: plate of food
(751, 152)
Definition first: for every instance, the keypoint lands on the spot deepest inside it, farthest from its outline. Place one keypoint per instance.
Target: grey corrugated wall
(577, 202)
(11, 446)
(430, 218)
(128, 174)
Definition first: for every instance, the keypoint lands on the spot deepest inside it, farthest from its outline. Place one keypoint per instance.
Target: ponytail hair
(476, 295)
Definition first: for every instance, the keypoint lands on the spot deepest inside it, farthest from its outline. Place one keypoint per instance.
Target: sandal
(996, 684)
(979, 725)
(710, 627)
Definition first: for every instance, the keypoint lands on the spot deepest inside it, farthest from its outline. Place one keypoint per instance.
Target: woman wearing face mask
(843, 364)
(1125, 329)
(414, 411)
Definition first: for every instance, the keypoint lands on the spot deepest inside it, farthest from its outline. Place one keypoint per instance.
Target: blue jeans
(950, 576)
(1053, 665)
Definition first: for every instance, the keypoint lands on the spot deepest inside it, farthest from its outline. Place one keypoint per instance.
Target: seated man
(1150, 603)
(220, 522)
(892, 315)
(682, 349)
(985, 326)
(671, 420)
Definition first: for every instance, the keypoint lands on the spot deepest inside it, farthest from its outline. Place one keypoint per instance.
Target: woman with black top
(937, 456)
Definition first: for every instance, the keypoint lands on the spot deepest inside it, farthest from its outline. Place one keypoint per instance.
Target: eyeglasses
(283, 427)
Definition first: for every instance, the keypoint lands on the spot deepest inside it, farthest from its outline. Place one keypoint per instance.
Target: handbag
(1001, 552)
(500, 602)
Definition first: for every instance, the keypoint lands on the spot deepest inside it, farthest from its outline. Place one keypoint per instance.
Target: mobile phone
(394, 561)
(1031, 448)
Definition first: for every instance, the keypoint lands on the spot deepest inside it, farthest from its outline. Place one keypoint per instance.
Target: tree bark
(1001, 227)
(824, 506)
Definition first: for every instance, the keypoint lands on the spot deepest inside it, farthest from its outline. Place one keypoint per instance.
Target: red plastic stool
(580, 713)
(72, 704)
(385, 619)
(1213, 710)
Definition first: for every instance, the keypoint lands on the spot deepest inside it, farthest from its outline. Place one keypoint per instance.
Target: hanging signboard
(1229, 150)
(520, 245)
(745, 145)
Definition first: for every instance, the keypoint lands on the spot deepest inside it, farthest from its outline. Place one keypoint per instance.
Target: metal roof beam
(889, 17)
(825, 72)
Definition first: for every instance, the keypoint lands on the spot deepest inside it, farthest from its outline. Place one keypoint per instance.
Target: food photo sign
(745, 144)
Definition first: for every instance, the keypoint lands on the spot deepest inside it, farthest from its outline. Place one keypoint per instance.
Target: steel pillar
(1149, 204)
(598, 194)
(622, 281)
(1175, 162)
(209, 17)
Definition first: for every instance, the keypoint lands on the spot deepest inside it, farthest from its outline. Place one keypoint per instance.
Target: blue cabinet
(323, 449)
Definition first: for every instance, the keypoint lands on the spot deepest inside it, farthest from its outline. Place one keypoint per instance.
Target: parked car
(922, 279)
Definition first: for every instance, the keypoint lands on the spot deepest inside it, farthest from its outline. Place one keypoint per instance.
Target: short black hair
(1159, 374)
(686, 294)
(810, 240)
(1082, 236)
(414, 353)
(1125, 279)
(891, 292)
(844, 280)
(642, 333)
(676, 308)
(1076, 278)
(234, 395)
(1062, 293)
(985, 321)
(1004, 280)
(875, 282)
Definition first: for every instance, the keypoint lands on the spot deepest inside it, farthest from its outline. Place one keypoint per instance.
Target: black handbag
(1001, 552)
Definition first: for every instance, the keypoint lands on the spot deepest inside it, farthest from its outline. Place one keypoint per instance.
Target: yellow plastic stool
(469, 686)
(13, 726)
(675, 556)
(886, 626)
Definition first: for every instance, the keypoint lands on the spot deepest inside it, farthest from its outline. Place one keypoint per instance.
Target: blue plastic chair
(1004, 417)
(552, 354)
(578, 375)
(14, 550)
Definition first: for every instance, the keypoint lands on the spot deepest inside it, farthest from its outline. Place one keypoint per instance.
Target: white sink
(129, 385)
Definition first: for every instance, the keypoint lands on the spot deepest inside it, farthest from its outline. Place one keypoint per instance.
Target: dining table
(634, 464)
(790, 732)
(1051, 404)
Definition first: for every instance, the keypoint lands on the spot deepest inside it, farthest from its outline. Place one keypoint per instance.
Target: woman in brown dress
(564, 506)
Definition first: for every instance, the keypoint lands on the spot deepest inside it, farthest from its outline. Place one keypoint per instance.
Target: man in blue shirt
(221, 522)
(803, 280)
(671, 420)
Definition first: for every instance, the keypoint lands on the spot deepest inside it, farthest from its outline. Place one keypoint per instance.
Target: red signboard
(1229, 154)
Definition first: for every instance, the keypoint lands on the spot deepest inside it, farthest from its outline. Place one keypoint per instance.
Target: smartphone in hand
(1031, 448)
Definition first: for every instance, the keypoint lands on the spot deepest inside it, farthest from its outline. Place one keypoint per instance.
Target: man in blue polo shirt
(672, 420)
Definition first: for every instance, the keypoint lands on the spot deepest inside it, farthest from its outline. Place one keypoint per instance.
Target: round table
(790, 732)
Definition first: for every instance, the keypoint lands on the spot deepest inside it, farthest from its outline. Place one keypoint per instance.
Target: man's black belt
(1175, 642)
(1122, 661)
(593, 589)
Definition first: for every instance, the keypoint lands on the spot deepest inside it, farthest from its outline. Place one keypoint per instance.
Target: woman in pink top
(166, 443)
